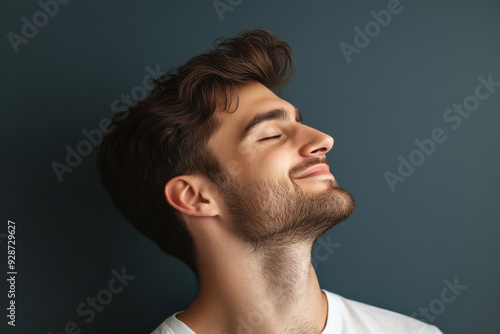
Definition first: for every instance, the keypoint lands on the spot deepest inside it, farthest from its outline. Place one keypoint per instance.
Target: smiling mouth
(318, 170)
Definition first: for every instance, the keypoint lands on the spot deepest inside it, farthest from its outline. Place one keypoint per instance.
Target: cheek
(273, 163)
(260, 162)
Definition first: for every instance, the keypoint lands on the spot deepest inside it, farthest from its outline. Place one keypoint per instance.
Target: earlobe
(189, 194)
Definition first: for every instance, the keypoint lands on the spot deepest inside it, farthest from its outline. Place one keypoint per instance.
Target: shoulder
(172, 325)
(357, 317)
(163, 329)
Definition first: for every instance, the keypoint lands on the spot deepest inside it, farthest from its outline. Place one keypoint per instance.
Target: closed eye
(270, 138)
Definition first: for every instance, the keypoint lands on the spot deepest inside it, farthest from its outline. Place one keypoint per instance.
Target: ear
(192, 195)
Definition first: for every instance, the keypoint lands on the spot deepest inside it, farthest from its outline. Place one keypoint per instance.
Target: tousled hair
(165, 134)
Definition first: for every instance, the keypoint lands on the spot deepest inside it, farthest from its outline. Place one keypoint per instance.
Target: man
(221, 173)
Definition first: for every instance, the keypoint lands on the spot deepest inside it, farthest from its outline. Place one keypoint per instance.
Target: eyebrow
(275, 114)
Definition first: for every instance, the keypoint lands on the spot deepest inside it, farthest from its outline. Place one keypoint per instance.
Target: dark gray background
(397, 248)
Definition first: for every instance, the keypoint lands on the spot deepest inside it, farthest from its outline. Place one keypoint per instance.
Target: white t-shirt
(344, 316)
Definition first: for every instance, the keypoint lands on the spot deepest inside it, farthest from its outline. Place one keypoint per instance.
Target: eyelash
(269, 138)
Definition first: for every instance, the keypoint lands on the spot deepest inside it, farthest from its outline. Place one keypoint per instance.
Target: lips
(316, 170)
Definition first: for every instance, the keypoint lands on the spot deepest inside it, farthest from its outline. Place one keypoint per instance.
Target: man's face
(278, 186)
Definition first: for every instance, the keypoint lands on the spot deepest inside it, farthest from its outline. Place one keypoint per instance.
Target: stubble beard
(278, 213)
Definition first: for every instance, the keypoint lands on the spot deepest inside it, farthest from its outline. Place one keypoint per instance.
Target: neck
(268, 290)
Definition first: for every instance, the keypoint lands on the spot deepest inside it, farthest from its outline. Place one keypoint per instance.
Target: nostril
(320, 150)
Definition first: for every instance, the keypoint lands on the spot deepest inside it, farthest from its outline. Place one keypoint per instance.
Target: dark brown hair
(165, 134)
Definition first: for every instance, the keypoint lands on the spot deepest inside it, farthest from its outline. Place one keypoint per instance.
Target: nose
(313, 142)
